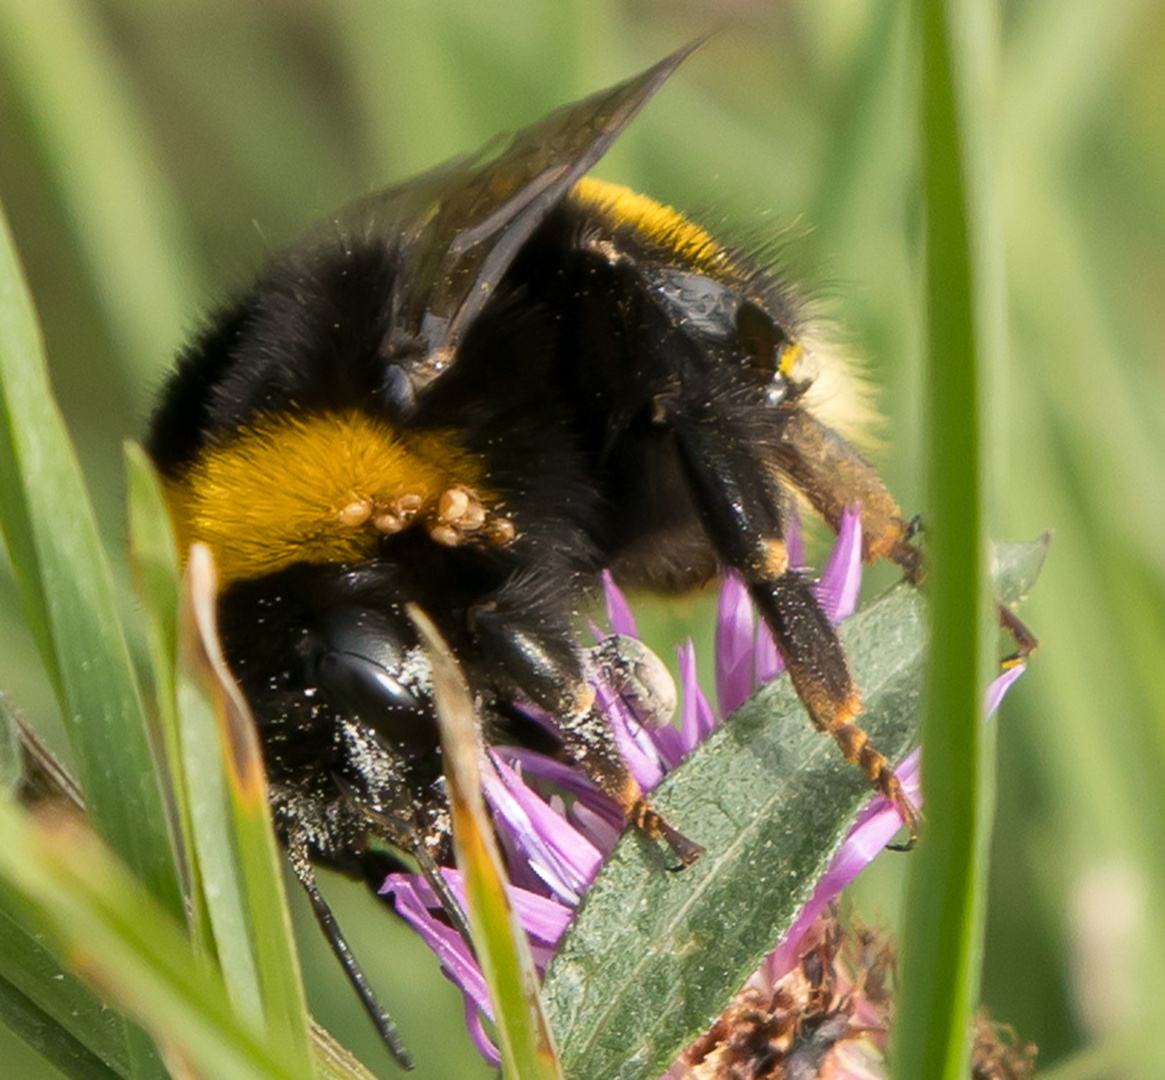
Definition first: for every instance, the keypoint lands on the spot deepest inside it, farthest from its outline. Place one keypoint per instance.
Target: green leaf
(1016, 566)
(654, 956)
(68, 597)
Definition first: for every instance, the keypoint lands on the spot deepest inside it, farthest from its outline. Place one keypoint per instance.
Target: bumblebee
(475, 392)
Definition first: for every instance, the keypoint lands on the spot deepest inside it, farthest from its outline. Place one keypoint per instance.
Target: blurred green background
(151, 154)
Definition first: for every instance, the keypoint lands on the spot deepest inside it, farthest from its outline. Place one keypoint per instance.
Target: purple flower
(555, 849)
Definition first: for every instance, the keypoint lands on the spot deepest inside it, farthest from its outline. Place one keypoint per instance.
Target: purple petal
(696, 716)
(768, 661)
(564, 859)
(518, 868)
(455, 958)
(668, 743)
(636, 746)
(600, 830)
(794, 537)
(568, 777)
(863, 844)
(1000, 685)
(837, 591)
(734, 645)
(618, 610)
(481, 1040)
(557, 772)
(543, 919)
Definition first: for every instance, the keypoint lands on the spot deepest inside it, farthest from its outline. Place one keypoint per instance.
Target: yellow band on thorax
(285, 489)
(654, 223)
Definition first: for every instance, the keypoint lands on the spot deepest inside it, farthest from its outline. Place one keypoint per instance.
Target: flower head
(555, 846)
(828, 1017)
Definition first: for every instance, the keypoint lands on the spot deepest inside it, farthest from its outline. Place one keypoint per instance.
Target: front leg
(741, 507)
(833, 475)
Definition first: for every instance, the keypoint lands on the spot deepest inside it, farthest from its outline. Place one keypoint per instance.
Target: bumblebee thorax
(322, 487)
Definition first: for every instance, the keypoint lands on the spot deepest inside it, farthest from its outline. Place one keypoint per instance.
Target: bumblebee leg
(820, 675)
(386, 1029)
(740, 504)
(534, 662)
(832, 475)
(1025, 641)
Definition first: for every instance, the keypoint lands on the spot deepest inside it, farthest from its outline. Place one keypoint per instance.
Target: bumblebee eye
(763, 344)
(366, 688)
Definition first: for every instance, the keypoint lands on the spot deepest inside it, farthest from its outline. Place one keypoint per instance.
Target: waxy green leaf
(654, 956)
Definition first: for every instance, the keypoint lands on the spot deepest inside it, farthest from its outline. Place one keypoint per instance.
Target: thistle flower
(828, 1017)
(555, 848)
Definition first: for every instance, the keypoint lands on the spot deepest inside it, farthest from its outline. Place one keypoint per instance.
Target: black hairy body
(474, 393)
(556, 388)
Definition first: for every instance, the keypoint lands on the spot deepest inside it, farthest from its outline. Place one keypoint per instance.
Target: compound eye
(364, 669)
(762, 345)
(364, 686)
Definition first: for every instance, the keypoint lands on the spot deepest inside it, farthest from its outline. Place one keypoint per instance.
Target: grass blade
(942, 949)
(527, 1047)
(333, 1061)
(48, 1038)
(68, 597)
(122, 941)
(11, 765)
(49, 1006)
(239, 826)
(96, 143)
(154, 558)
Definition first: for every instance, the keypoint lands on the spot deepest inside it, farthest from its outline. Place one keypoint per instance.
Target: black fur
(626, 404)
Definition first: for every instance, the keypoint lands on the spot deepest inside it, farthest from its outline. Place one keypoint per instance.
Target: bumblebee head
(317, 643)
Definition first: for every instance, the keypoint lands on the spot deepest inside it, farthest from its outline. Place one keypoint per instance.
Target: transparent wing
(458, 228)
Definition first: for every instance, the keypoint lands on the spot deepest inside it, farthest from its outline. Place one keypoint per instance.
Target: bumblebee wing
(459, 227)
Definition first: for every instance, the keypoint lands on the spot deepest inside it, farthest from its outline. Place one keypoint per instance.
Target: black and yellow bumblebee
(473, 393)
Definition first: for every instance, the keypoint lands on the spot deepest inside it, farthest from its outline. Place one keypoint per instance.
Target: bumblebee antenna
(440, 887)
(385, 1027)
(404, 836)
